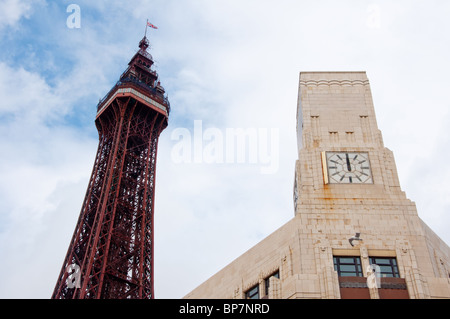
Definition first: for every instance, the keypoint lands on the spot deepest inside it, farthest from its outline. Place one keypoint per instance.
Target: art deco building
(355, 234)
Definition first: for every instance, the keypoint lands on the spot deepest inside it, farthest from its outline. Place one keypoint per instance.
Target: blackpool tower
(111, 252)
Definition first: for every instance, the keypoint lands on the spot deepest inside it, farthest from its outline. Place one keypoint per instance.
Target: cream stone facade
(345, 183)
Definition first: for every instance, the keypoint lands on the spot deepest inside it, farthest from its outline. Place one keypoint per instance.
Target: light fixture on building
(356, 237)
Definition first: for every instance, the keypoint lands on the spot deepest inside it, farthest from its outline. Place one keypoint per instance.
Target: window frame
(356, 263)
(276, 274)
(393, 265)
(255, 295)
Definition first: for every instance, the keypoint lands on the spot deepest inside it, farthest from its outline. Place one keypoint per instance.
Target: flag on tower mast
(149, 25)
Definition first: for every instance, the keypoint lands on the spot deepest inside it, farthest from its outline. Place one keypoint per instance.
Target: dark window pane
(348, 274)
(385, 269)
(253, 293)
(348, 268)
(343, 260)
(382, 261)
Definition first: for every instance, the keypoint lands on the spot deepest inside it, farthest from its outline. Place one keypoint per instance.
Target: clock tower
(338, 134)
(355, 234)
(346, 183)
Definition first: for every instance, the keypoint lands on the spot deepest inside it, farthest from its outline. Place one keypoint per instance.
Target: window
(267, 282)
(348, 266)
(388, 266)
(252, 293)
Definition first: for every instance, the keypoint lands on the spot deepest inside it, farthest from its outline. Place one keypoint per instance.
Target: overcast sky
(227, 65)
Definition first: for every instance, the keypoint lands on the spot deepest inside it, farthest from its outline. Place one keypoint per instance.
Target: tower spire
(144, 44)
(146, 26)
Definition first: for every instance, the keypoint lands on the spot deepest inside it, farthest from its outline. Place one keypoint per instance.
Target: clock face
(348, 168)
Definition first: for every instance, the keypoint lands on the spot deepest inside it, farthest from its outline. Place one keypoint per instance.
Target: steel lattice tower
(111, 251)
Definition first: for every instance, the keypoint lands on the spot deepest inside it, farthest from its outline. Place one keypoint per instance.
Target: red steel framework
(111, 252)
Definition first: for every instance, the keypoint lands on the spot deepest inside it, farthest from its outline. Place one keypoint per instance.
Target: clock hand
(349, 167)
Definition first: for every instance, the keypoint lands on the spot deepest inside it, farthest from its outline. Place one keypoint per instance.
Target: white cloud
(37, 161)
(27, 96)
(11, 11)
